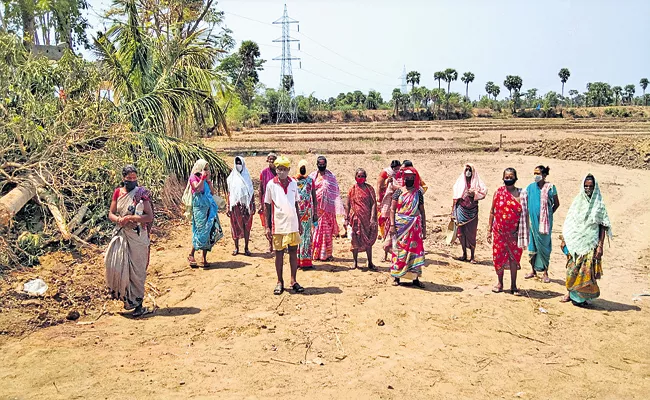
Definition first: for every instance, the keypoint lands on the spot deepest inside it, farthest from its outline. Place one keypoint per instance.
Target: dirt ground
(219, 332)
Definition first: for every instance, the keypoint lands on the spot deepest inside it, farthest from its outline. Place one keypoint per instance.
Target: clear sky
(364, 44)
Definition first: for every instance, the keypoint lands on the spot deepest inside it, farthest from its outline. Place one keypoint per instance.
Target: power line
(313, 40)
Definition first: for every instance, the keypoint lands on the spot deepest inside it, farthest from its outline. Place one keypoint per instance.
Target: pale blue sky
(597, 40)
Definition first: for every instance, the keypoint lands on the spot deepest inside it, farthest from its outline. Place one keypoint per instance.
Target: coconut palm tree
(164, 85)
(564, 75)
(467, 78)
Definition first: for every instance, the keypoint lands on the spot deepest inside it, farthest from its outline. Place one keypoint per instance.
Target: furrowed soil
(219, 332)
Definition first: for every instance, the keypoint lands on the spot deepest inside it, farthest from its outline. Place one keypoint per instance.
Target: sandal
(473, 261)
(247, 253)
(235, 252)
(546, 280)
(497, 289)
(192, 261)
(516, 292)
(530, 276)
(139, 311)
(297, 288)
(396, 282)
(419, 284)
(372, 267)
(463, 259)
(565, 299)
(279, 288)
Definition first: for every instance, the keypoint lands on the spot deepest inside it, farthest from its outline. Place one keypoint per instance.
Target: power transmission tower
(403, 78)
(287, 101)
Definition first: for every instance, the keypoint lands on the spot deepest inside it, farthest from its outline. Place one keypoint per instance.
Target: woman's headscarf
(476, 184)
(240, 186)
(302, 163)
(199, 166)
(581, 227)
(407, 171)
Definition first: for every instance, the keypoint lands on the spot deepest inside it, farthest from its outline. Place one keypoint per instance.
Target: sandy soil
(220, 333)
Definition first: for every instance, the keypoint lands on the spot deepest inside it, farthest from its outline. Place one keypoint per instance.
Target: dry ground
(220, 333)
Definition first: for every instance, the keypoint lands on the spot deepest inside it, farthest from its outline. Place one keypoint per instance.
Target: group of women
(519, 219)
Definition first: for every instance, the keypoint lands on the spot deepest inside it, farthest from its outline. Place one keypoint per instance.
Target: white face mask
(538, 178)
(468, 174)
(240, 168)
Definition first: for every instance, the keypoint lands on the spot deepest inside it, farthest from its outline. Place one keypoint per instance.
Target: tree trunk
(467, 90)
(15, 200)
(29, 25)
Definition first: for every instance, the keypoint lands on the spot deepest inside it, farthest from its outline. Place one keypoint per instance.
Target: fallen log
(50, 202)
(12, 202)
(79, 216)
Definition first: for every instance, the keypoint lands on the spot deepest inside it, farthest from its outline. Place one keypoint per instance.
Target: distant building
(51, 52)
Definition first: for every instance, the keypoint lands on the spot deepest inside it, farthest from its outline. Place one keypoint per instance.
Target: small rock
(519, 394)
(380, 322)
(390, 387)
(181, 383)
(73, 315)
(318, 361)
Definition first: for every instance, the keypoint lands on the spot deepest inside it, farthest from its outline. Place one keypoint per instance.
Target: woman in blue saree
(206, 229)
(541, 202)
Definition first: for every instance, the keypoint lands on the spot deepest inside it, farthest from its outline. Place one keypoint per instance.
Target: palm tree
(450, 75)
(489, 87)
(162, 85)
(564, 75)
(644, 84)
(439, 76)
(413, 78)
(617, 93)
(467, 78)
(495, 91)
(629, 93)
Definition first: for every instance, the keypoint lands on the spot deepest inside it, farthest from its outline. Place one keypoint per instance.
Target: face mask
(361, 181)
(322, 168)
(468, 174)
(303, 170)
(283, 174)
(240, 168)
(538, 178)
(509, 182)
(409, 183)
(130, 185)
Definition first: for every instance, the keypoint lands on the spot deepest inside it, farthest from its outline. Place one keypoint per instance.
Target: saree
(206, 229)
(580, 235)
(328, 200)
(384, 217)
(540, 204)
(364, 231)
(385, 174)
(305, 218)
(241, 199)
(408, 256)
(127, 255)
(266, 176)
(466, 210)
(505, 230)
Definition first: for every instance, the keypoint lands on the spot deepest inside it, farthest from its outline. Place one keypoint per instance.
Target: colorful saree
(364, 230)
(580, 233)
(466, 210)
(127, 255)
(384, 217)
(305, 218)
(505, 230)
(408, 256)
(206, 229)
(540, 204)
(328, 199)
(241, 200)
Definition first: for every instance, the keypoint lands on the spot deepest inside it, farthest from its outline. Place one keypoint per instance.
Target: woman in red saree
(507, 231)
(362, 217)
(386, 185)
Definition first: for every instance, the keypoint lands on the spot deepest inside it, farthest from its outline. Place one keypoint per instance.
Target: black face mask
(509, 182)
(303, 170)
(130, 185)
(322, 168)
(409, 183)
